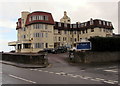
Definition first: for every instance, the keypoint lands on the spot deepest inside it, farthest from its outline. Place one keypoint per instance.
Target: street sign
(84, 46)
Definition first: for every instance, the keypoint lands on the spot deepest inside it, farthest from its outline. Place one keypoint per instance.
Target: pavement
(23, 65)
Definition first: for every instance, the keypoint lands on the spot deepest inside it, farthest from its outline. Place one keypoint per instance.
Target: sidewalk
(23, 65)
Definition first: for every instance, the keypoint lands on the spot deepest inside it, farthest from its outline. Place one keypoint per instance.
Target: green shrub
(105, 43)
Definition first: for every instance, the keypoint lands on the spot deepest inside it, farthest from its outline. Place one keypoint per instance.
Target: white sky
(77, 10)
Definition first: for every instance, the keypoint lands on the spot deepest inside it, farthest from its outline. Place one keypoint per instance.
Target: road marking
(62, 73)
(51, 72)
(46, 71)
(58, 73)
(100, 79)
(116, 81)
(39, 70)
(74, 76)
(110, 71)
(70, 74)
(84, 77)
(109, 82)
(94, 79)
(22, 79)
(34, 69)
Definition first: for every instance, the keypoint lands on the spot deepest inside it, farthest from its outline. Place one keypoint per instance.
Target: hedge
(105, 43)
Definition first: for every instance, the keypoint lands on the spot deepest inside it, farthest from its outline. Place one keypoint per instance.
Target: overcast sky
(77, 10)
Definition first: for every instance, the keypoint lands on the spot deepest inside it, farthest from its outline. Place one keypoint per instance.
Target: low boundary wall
(24, 58)
(89, 56)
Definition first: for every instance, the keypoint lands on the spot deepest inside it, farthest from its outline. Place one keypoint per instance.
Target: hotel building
(38, 30)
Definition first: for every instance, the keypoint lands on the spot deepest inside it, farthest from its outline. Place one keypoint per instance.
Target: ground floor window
(39, 45)
(26, 45)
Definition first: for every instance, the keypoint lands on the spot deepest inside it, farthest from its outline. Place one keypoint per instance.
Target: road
(61, 72)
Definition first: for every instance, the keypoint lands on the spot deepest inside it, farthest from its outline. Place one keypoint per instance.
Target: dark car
(60, 49)
(13, 51)
(49, 50)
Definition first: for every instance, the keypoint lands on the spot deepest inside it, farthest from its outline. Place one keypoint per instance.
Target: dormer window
(107, 23)
(85, 24)
(110, 24)
(38, 17)
(103, 22)
(100, 22)
(91, 21)
(82, 25)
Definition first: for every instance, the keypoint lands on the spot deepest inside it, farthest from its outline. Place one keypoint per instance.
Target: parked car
(13, 51)
(60, 49)
(49, 50)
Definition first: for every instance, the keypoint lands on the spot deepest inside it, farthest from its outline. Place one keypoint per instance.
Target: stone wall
(89, 57)
(24, 58)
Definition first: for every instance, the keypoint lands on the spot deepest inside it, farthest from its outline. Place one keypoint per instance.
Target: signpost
(84, 46)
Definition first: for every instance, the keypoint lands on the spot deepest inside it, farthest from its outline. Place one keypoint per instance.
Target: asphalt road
(61, 72)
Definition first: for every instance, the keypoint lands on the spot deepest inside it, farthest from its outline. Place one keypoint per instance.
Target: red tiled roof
(49, 21)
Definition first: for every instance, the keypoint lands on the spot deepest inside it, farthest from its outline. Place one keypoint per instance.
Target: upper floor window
(59, 38)
(30, 19)
(91, 21)
(46, 26)
(46, 35)
(24, 29)
(38, 17)
(59, 24)
(37, 26)
(110, 24)
(71, 26)
(59, 31)
(103, 22)
(74, 26)
(75, 39)
(100, 22)
(82, 25)
(24, 36)
(65, 25)
(107, 23)
(85, 24)
(79, 25)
